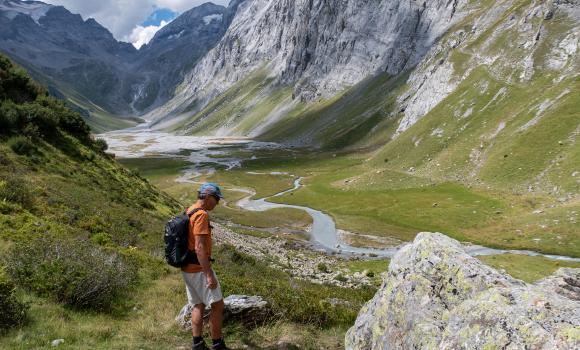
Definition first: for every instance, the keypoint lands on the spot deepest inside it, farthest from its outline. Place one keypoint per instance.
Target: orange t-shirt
(198, 225)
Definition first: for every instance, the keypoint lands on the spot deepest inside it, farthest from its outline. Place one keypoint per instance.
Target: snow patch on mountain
(176, 36)
(208, 19)
(35, 9)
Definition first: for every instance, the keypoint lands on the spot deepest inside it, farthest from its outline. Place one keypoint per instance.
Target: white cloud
(123, 17)
(142, 35)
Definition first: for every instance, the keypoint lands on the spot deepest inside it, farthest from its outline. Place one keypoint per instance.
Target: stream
(205, 153)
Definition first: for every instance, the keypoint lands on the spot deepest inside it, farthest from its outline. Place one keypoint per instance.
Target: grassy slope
(99, 196)
(245, 109)
(526, 268)
(98, 119)
(74, 190)
(96, 116)
(478, 134)
(249, 100)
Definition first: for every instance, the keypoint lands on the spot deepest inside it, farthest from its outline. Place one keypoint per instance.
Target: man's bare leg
(197, 320)
(215, 319)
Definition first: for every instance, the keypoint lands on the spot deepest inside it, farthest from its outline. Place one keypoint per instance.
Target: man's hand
(211, 280)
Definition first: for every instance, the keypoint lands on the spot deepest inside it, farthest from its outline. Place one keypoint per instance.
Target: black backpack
(176, 235)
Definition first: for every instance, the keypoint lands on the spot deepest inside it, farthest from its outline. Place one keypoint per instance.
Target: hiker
(201, 283)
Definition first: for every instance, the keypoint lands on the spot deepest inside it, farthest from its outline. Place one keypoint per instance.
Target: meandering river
(206, 153)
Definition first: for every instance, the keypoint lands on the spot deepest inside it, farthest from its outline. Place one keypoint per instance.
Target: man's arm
(201, 244)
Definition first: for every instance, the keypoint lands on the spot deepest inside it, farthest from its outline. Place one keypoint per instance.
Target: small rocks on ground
(56, 342)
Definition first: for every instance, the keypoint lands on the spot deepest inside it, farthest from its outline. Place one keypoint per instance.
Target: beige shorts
(198, 291)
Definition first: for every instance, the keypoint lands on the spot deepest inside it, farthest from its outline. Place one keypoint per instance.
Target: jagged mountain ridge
(318, 48)
(80, 60)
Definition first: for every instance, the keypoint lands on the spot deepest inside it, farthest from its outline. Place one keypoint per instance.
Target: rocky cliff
(435, 296)
(512, 38)
(317, 47)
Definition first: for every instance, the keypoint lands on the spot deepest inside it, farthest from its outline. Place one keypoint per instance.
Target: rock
(435, 296)
(183, 319)
(56, 342)
(337, 302)
(248, 309)
(565, 282)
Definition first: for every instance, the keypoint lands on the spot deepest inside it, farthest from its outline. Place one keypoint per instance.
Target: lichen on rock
(436, 296)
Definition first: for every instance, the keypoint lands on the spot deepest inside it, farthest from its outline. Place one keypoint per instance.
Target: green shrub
(240, 258)
(15, 84)
(27, 109)
(72, 271)
(323, 268)
(102, 238)
(22, 146)
(290, 299)
(101, 145)
(12, 311)
(8, 116)
(15, 189)
(4, 160)
(45, 120)
(340, 278)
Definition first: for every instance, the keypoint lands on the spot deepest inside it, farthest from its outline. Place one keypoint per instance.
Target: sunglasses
(217, 198)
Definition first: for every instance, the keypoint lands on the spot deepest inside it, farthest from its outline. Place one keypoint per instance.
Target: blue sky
(158, 16)
(134, 21)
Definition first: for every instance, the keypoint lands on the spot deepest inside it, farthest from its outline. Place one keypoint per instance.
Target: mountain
(477, 92)
(102, 77)
(312, 50)
(73, 57)
(175, 49)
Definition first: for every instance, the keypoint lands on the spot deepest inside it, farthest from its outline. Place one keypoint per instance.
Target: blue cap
(211, 189)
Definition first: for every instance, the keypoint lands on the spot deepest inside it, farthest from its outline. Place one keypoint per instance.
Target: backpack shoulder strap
(193, 211)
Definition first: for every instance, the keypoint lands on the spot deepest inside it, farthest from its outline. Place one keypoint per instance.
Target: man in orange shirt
(201, 283)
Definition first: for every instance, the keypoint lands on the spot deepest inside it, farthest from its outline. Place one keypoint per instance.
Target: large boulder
(248, 309)
(436, 296)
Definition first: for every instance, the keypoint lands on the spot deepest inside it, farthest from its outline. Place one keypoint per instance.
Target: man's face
(211, 202)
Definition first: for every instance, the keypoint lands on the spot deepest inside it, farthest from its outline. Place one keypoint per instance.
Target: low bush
(340, 278)
(322, 267)
(101, 145)
(22, 146)
(27, 109)
(16, 190)
(72, 271)
(290, 299)
(15, 84)
(12, 310)
(4, 160)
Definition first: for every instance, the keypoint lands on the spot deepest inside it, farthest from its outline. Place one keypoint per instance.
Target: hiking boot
(220, 346)
(199, 346)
